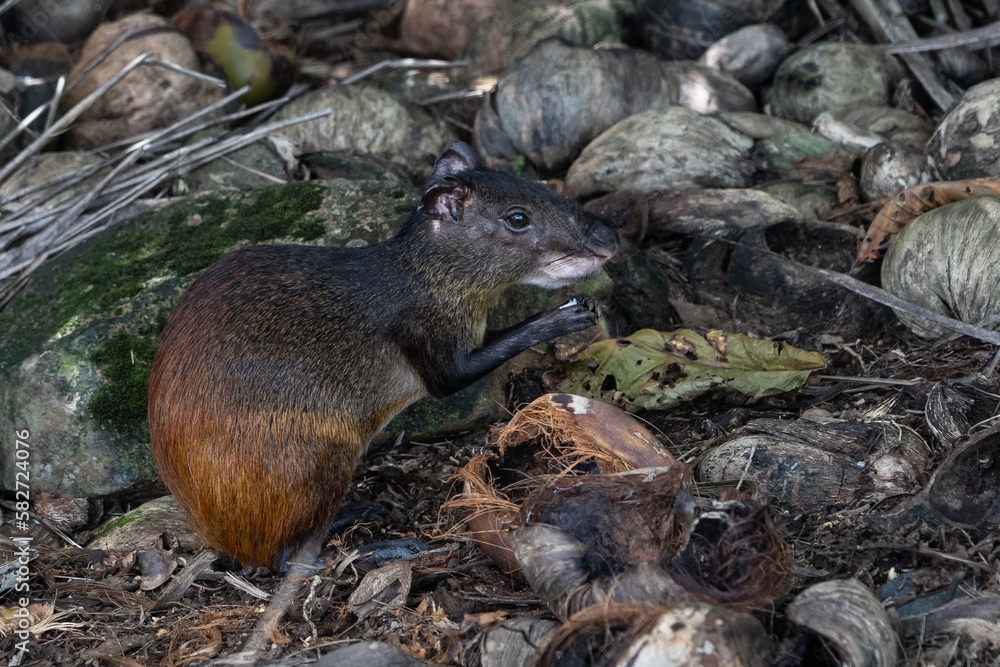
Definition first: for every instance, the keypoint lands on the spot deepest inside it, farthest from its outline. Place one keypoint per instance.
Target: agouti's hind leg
(299, 567)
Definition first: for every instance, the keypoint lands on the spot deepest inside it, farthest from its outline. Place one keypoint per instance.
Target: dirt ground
(98, 615)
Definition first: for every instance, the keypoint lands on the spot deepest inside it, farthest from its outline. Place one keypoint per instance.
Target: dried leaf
(913, 202)
(384, 588)
(157, 565)
(655, 370)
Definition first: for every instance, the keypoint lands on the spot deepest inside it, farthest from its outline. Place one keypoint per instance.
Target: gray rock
(367, 121)
(758, 125)
(829, 77)
(256, 166)
(503, 39)
(371, 654)
(750, 54)
(708, 91)
(560, 97)
(661, 149)
(966, 143)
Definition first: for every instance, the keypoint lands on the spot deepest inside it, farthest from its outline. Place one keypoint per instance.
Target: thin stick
(753, 450)
(207, 152)
(401, 63)
(264, 111)
(305, 16)
(221, 120)
(815, 34)
(21, 126)
(147, 140)
(174, 67)
(864, 380)
(45, 238)
(881, 296)
(448, 97)
(101, 57)
(156, 136)
(977, 36)
(258, 172)
(109, 210)
(54, 102)
(70, 116)
(17, 219)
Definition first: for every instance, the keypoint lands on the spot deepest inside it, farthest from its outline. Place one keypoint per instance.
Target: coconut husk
(149, 97)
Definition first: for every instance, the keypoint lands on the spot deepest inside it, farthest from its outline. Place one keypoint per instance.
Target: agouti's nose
(601, 239)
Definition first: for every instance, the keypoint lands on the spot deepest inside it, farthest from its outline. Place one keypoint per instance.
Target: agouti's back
(280, 362)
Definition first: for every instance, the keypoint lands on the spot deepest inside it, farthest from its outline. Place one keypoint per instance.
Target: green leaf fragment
(656, 370)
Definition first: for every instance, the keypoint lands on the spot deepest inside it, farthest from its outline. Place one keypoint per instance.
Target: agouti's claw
(587, 303)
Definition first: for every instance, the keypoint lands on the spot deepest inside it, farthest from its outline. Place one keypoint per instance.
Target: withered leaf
(658, 370)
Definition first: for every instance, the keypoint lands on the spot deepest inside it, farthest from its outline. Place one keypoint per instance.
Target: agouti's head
(522, 230)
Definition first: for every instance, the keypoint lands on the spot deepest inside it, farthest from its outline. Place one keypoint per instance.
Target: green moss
(309, 229)
(518, 166)
(125, 362)
(276, 213)
(95, 276)
(115, 525)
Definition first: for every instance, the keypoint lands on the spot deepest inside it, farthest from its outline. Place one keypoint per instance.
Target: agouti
(281, 361)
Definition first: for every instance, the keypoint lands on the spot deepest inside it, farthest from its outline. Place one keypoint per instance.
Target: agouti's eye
(517, 221)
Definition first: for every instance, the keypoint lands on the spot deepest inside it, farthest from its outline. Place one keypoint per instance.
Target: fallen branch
(887, 20)
(879, 295)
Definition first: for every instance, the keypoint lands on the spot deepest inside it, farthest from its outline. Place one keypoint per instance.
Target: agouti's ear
(445, 199)
(458, 158)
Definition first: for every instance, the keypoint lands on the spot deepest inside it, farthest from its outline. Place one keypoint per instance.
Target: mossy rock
(77, 342)
(368, 121)
(759, 125)
(811, 201)
(784, 151)
(659, 149)
(897, 126)
(143, 526)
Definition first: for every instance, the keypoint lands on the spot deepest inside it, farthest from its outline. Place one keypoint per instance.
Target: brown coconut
(442, 27)
(567, 431)
(946, 261)
(851, 619)
(150, 96)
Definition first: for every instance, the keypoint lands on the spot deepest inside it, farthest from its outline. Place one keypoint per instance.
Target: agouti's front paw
(574, 315)
(587, 303)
